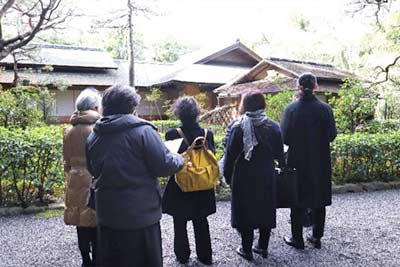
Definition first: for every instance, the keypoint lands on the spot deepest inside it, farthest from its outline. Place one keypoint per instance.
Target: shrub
(30, 162)
(366, 157)
(379, 126)
(276, 104)
(164, 125)
(25, 106)
(354, 106)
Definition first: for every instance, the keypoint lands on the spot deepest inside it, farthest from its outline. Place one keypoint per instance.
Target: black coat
(253, 183)
(126, 156)
(188, 205)
(308, 127)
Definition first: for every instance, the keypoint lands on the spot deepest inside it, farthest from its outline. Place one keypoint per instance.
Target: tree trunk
(131, 45)
(15, 69)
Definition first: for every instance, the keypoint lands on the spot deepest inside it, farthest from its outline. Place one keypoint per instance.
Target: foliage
(21, 21)
(202, 100)
(25, 106)
(354, 106)
(365, 157)
(169, 50)
(389, 105)
(379, 126)
(30, 162)
(168, 111)
(276, 104)
(219, 148)
(45, 103)
(164, 125)
(154, 97)
(117, 45)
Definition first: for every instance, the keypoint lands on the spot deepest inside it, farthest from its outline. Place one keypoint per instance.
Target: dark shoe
(205, 262)
(246, 255)
(316, 242)
(260, 251)
(294, 243)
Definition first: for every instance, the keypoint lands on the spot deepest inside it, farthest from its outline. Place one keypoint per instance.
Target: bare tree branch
(386, 71)
(376, 6)
(41, 15)
(6, 7)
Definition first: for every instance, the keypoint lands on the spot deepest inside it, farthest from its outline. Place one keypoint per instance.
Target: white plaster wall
(65, 102)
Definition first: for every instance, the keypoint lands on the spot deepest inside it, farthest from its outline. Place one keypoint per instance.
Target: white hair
(88, 99)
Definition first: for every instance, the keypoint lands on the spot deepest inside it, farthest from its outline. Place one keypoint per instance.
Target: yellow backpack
(200, 170)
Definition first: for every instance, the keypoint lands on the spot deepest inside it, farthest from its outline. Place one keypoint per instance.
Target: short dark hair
(120, 99)
(307, 81)
(186, 109)
(251, 101)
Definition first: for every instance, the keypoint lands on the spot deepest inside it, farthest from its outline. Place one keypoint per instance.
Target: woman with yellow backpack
(186, 198)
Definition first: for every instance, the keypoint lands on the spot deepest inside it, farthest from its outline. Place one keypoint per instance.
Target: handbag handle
(193, 145)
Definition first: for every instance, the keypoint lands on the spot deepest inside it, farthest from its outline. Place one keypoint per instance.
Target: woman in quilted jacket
(77, 177)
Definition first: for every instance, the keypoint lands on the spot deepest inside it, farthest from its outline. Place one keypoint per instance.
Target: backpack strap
(180, 132)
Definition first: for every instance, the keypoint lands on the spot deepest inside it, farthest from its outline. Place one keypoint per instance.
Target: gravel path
(363, 229)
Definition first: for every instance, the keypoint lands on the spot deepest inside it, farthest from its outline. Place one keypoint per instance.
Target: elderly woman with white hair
(77, 177)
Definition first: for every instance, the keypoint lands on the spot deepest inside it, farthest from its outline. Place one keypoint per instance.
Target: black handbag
(287, 190)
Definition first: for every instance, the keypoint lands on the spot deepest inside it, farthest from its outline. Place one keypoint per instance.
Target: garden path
(363, 229)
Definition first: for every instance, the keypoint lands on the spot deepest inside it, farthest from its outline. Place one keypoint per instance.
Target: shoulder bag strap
(180, 132)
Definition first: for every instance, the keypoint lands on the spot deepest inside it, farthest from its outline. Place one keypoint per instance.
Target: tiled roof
(67, 56)
(144, 72)
(267, 86)
(198, 73)
(322, 71)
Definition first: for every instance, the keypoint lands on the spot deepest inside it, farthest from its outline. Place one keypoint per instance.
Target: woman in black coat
(253, 144)
(189, 206)
(308, 127)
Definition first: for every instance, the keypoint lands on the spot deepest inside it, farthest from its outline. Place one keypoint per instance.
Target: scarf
(247, 123)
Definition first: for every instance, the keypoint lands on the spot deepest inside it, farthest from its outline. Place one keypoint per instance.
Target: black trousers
(130, 248)
(317, 220)
(201, 236)
(248, 237)
(87, 242)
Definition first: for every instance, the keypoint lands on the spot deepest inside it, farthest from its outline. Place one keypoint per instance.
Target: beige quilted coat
(77, 178)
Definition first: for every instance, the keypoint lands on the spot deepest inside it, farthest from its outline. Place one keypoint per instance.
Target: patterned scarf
(247, 123)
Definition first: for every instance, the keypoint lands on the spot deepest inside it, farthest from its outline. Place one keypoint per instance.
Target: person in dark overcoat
(189, 206)
(126, 155)
(253, 144)
(308, 127)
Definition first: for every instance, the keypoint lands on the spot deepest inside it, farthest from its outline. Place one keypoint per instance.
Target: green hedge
(365, 157)
(379, 126)
(31, 161)
(30, 164)
(164, 125)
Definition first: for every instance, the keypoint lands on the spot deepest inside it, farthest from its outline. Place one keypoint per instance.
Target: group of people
(113, 159)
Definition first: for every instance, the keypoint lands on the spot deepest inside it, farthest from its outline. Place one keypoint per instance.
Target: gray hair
(186, 109)
(88, 99)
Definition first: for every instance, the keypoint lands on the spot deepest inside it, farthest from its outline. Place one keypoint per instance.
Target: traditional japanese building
(222, 75)
(273, 75)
